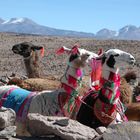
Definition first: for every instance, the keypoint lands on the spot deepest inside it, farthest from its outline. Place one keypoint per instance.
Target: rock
(8, 132)
(7, 117)
(101, 130)
(125, 131)
(61, 126)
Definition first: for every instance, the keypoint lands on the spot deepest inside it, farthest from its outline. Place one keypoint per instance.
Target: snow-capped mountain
(27, 26)
(18, 21)
(129, 32)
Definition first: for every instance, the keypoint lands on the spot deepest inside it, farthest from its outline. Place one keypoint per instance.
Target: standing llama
(29, 52)
(101, 105)
(60, 102)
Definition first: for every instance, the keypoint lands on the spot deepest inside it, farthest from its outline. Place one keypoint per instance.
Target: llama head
(77, 57)
(114, 57)
(25, 49)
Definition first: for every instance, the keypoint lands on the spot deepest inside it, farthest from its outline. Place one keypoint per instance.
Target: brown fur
(130, 75)
(36, 84)
(133, 109)
(32, 66)
(126, 92)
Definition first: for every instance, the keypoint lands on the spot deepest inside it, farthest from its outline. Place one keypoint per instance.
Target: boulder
(63, 127)
(125, 131)
(8, 132)
(7, 117)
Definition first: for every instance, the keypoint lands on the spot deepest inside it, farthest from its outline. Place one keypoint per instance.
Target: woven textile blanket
(17, 99)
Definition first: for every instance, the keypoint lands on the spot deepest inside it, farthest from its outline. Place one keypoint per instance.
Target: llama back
(46, 103)
(17, 99)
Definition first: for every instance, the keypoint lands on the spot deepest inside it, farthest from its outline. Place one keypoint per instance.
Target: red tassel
(72, 81)
(100, 51)
(67, 88)
(75, 50)
(60, 51)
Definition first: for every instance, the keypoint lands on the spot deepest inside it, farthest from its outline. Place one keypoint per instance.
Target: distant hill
(27, 26)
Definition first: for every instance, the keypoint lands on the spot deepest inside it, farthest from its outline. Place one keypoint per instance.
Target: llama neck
(32, 66)
(70, 82)
(71, 79)
(109, 73)
(110, 82)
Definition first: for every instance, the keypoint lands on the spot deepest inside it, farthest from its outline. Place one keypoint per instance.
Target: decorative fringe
(79, 73)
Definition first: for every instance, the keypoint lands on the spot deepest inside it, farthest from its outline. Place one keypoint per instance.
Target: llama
(60, 102)
(29, 52)
(130, 100)
(133, 108)
(35, 81)
(101, 105)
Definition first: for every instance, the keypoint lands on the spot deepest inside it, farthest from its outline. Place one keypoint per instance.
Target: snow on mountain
(129, 32)
(13, 20)
(18, 21)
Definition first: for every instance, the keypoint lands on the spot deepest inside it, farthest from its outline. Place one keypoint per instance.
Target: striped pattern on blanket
(17, 99)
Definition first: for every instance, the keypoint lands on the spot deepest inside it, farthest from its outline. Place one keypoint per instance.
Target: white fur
(123, 56)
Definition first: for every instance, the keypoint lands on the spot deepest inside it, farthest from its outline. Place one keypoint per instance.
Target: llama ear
(100, 52)
(75, 50)
(62, 50)
(42, 52)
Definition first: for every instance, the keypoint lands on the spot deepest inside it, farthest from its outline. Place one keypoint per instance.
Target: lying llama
(133, 108)
(33, 69)
(101, 105)
(129, 96)
(60, 102)
(29, 52)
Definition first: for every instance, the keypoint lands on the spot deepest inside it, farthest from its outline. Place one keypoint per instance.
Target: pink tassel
(79, 72)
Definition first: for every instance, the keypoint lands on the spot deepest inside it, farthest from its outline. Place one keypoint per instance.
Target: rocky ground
(51, 63)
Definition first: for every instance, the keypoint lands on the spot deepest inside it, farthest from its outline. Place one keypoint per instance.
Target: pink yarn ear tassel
(79, 73)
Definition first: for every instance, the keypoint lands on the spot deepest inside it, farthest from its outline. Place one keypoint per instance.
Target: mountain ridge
(28, 26)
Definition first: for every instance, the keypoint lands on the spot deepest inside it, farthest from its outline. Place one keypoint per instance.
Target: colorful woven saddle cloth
(17, 99)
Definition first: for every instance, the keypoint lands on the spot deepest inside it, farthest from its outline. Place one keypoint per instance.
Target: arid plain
(52, 64)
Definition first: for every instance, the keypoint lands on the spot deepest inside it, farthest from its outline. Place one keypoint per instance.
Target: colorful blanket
(17, 99)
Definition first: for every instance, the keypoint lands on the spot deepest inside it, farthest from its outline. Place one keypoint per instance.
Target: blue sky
(78, 15)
